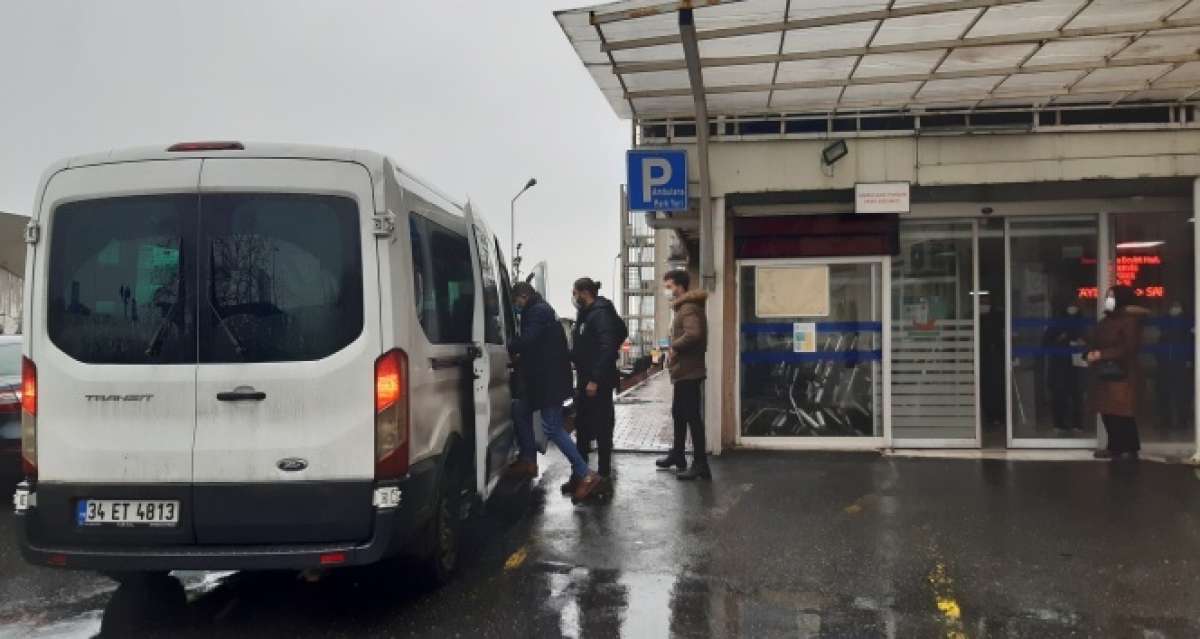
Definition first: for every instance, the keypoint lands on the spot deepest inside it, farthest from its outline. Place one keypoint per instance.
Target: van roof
(376, 163)
(252, 149)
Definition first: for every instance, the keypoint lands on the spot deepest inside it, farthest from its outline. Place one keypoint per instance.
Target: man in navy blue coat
(542, 361)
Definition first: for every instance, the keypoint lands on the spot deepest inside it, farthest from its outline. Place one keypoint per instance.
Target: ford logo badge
(291, 464)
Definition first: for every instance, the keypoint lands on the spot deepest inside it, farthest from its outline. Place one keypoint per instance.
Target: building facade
(908, 216)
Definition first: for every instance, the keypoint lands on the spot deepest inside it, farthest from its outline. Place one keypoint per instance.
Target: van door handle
(241, 394)
(451, 361)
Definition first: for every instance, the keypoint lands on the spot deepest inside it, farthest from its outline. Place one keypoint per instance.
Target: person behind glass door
(1174, 383)
(992, 367)
(689, 340)
(1063, 336)
(1116, 375)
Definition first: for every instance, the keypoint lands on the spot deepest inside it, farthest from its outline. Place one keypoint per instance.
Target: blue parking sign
(658, 180)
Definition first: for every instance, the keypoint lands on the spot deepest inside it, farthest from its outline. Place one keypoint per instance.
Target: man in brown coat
(689, 337)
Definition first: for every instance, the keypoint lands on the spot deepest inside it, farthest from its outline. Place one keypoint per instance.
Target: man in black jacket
(597, 335)
(541, 349)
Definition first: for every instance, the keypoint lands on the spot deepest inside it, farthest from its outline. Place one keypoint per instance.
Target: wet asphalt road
(780, 545)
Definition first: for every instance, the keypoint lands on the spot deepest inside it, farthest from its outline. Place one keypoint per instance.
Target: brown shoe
(521, 470)
(586, 487)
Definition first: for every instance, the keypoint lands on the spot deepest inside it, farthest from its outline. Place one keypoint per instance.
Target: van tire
(444, 532)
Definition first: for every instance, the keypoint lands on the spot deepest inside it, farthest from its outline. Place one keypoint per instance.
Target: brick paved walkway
(644, 417)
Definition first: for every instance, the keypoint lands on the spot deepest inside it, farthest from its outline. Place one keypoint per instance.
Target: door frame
(1051, 443)
(884, 283)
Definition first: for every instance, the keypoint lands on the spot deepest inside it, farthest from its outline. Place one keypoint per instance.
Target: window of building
(647, 306)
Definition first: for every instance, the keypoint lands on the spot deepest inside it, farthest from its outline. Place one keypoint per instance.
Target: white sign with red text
(881, 197)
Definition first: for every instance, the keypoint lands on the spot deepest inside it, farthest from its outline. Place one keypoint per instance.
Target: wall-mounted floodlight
(834, 152)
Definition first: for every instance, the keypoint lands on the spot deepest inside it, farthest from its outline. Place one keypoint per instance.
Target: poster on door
(804, 337)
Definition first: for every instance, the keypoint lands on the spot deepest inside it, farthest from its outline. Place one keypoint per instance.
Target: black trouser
(685, 409)
(595, 418)
(1065, 399)
(1122, 434)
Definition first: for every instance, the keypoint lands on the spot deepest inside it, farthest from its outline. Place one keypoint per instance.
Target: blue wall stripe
(779, 357)
(822, 327)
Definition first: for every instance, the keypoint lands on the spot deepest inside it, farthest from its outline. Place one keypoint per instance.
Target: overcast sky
(476, 96)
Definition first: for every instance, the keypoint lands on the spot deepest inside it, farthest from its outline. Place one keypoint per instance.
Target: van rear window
(219, 278)
(121, 280)
(283, 277)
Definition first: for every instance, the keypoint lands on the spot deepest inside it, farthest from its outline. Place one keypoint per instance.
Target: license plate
(126, 512)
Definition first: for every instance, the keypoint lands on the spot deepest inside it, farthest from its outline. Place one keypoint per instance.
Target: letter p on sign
(650, 166)
(657, 180)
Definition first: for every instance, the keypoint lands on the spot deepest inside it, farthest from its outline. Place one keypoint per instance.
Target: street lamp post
(512, 224)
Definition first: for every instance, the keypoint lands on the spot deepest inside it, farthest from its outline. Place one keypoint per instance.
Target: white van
(257, 357)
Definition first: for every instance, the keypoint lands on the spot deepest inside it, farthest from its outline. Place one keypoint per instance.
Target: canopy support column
(1195, 317)
(691, 53)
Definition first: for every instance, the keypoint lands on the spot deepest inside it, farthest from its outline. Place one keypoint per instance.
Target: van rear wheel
(445, 531)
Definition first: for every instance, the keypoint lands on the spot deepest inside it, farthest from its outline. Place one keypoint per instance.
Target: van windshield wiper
(212, 294)
(237, 345)
(161, 331)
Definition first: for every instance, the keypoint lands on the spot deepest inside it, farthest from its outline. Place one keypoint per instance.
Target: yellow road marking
(858, 505)
(947, 605)
(516, 559)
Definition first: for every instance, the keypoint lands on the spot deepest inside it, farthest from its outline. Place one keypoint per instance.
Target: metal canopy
(824, 56)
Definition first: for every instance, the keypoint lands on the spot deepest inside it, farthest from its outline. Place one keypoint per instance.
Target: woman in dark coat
(1117, 339)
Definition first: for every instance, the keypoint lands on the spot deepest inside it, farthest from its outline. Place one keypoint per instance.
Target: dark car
(10, 405)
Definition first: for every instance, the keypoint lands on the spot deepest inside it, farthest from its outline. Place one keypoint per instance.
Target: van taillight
(29, 405)
(391, 415)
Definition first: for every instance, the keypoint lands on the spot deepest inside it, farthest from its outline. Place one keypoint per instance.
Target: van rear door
(113, 339)
(288, 330)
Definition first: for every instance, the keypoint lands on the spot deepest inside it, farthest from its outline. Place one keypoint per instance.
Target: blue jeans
(552, 425)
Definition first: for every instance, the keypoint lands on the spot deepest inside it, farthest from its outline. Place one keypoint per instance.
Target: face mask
(669, 294)
(1072, 310)
(1176, 311)
(1110, 304)
(577, 303)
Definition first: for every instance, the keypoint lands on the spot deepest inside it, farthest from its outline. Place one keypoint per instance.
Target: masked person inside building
(1116, 376)
(1174, 383)
(541, 352)
(599, 331)
(1065, 368)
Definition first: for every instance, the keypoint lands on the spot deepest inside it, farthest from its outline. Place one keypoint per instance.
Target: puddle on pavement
(584, 603)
